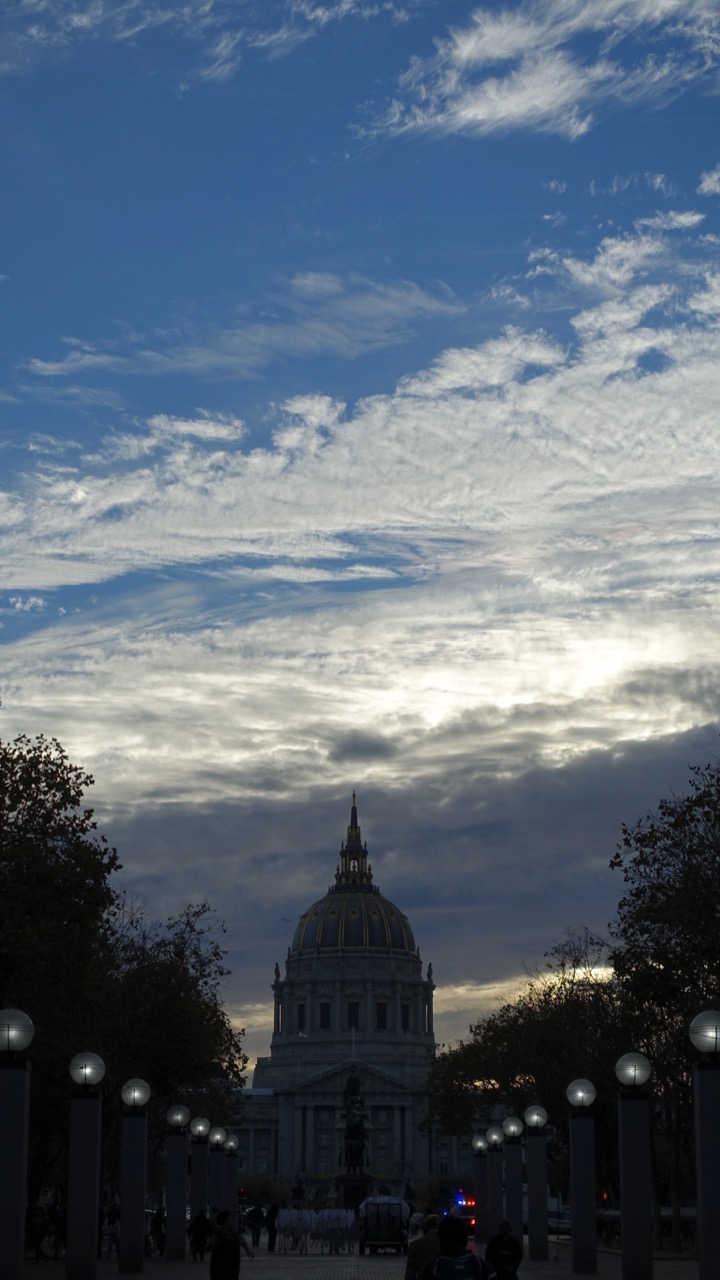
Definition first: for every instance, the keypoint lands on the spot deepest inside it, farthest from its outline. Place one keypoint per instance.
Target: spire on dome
(353, 872)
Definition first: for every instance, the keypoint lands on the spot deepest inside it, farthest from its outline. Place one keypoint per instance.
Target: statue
(355, 1137)
(277, 971)
(352, 1092)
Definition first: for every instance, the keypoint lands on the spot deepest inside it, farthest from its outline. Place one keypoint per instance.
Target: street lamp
(177, 1149)
(512, 1127)
(87, 1071)
(217, 1138)
(232, 1144)
(135, 1094)
(480, 1180)
(495, 1138)
(199, 1130)
(633, 1070)
(704, 1033)
(581, 1094)
(16, 1033)
(536, 1119)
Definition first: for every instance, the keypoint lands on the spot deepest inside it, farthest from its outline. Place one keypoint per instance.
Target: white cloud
(709, 184)
(673, 220)
(316, 313)
(531, 67)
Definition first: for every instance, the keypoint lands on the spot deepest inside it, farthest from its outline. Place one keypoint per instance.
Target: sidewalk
(384, 1266)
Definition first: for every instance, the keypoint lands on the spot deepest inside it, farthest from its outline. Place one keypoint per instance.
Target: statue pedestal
(353, 1188)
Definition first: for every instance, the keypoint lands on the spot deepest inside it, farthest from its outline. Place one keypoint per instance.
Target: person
(424, 1248)
(271, 1224)
(504, 1251)
(255, 1218)
(225, 1246)
(198, 1231)
(159, 1234)
(454, 1260)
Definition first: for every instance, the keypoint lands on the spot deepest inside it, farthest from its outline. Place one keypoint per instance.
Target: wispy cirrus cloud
(529, 66)
(317, 312)
(219, 31)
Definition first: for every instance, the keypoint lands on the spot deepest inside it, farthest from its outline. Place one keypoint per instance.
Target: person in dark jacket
(225, 1246)
(271, 1224)
(504, 1252)
(198, 1231)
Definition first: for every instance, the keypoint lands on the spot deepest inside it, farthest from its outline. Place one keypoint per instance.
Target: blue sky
(358, 388)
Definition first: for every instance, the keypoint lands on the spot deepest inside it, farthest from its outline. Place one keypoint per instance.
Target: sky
(359, 385)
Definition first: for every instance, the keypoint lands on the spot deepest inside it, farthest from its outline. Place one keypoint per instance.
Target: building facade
(351, 1047)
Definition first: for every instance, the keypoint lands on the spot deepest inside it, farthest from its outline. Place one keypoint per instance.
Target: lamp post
(199, 1130)
(217, 1138)
(495, 1138)
(231, 1175)
(87, 1070)
(583, 1215)
(480, 1180)
(135, 1094)
(705, 1035)
(512, 1127)
(633, 1070)
(536, 1119)
(16, 1033)
(177, 1150)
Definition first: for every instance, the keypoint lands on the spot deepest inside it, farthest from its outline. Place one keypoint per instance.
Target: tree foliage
(90, 968)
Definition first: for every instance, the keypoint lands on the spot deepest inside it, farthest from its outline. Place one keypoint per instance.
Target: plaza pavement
(384, 1266)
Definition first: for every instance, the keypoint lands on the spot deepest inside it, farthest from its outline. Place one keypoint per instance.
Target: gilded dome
(353, 915)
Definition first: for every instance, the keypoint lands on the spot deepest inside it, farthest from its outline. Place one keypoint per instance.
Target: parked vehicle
(383, 1224)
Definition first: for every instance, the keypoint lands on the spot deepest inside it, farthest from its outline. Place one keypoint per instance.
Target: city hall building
(342, 1093)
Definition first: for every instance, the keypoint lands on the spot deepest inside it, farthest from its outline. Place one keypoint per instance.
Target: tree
(666, 952)
(92, 971)
(566, 1023)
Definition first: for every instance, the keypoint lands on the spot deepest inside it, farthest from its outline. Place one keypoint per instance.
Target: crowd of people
(442, 1253)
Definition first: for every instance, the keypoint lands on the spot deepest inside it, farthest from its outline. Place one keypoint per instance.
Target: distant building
(343, 1090)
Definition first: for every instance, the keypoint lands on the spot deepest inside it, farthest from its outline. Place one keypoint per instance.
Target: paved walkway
(384, 1266)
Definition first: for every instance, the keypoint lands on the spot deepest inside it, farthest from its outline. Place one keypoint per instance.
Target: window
(353, 1014)
(405, 1016)
(324, 1015)
(381, 1015)
(301, 1017)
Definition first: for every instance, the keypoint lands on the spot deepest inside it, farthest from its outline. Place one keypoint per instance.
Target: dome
(348, 921)
(353, 915)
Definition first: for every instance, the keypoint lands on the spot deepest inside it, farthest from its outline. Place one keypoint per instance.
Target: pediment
(333, 1081)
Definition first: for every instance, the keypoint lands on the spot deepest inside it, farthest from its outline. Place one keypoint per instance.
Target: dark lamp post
(135, 1094)
(199, 1128)
(87, 1071)
(512, 1127)
(704, 1033)
(495, 1138)
(583, 1213)
(633, 1070)
(217, 1138)
(177, 1150)
(536, 1118)
(16, 1033)
(480, 1180)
